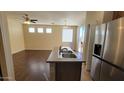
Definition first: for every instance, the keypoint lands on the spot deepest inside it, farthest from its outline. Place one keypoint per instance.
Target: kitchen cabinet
(65, 68)
(118, 14)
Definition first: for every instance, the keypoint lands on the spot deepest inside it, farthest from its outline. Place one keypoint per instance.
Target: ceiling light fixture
(26, 22)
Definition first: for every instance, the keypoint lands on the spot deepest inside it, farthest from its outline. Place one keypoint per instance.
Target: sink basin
(69, 55)
(67, 51)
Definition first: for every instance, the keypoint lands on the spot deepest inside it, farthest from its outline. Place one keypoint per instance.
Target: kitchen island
(65, 66)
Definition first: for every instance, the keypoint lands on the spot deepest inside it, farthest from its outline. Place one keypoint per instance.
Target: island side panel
(52, 71)
(68, 71)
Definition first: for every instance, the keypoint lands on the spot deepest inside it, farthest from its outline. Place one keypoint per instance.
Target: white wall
(6, 44)
(94, 17)
(38, 41)
(15, 34)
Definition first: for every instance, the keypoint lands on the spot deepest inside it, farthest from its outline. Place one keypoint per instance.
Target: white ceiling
(56, 17)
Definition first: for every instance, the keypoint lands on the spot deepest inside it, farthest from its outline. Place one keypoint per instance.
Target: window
(48, 30)
(40, 30)
(67, 35)
(31, 30)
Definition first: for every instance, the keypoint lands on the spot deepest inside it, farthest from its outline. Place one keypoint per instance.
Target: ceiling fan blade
(26, 17)
(33, 20)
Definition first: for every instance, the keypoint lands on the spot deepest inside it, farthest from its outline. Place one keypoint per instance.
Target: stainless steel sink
(67, 51)
(68, 55)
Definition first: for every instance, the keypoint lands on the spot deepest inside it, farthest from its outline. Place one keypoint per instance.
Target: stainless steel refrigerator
(108, 54)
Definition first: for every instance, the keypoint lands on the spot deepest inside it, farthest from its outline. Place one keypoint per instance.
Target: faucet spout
(60, 49)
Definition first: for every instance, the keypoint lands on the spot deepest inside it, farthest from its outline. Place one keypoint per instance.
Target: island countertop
(54, 57)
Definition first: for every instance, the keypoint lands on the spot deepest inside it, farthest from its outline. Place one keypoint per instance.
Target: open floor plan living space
(61, 45)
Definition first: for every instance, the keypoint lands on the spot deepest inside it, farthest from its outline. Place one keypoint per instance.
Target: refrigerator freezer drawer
(95, 68)
(110, 73)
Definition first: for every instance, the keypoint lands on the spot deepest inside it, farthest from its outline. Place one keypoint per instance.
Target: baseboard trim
(39, 49)
(17, 51)
(29, 50)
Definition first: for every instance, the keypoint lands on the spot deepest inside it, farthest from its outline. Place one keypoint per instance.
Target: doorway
(81, 39)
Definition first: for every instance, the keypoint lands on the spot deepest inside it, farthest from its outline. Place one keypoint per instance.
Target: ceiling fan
(28, 20)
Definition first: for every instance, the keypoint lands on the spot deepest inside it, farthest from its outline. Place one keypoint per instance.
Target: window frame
(31, 31)
(49, 28)
(40, 28)
(71, 40)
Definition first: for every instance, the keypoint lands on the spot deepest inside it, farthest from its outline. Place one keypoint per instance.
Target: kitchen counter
(54, 57)
(65, 69)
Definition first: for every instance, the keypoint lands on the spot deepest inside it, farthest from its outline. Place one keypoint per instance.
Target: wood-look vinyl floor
(85, 75)
(30, 65)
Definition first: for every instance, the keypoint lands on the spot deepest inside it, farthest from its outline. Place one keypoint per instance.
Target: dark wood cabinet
(112, 15)
(68, 71)
(118, 14)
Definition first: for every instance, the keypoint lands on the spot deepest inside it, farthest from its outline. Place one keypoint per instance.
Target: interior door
(110, 73)
(95, 69)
